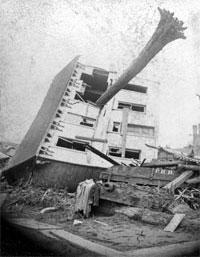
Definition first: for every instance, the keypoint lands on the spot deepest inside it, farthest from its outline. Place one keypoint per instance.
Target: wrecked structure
(121, 132)
(85, 118)
(160, 194)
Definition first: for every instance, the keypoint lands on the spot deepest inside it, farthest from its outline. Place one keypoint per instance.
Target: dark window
(71, 144)
(115, 151)
(96, 84)
(116, 126)
(64, 143)
(132, 154)
(79, 97)
(138, 108)
(136, 88)
(87, 122)
(131, 106)
(124, 105)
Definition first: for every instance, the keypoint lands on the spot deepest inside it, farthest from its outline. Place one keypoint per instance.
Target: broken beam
(193, 180)
(163, 164)
(179, 180)
(102, 155)
(189, 167)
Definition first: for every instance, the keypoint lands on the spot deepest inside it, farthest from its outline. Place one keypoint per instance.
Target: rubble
(159, 197)
(138, 196)
(22, 200)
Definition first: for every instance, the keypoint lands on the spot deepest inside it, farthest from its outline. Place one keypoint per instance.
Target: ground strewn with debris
(110, 224)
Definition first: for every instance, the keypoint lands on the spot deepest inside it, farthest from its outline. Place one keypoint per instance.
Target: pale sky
(38, 38)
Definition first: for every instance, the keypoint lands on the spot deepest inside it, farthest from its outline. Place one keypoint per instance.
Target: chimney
(194, 130)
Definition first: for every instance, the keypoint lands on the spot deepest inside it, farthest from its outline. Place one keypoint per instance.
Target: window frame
(113, 126)
(72, 141)
(130, 106)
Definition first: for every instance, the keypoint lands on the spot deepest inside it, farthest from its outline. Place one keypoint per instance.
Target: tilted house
(69, 120)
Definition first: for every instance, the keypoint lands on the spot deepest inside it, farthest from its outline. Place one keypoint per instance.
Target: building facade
(120, 129)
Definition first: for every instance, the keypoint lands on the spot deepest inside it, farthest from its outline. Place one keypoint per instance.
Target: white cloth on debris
(83, 200)
(82, 196)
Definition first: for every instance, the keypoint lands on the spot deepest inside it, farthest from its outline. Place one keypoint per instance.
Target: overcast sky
(38, 38)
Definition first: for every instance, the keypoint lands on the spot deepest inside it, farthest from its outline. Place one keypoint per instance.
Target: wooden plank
(175, 221)
(179, 180)
(102, 155)
(136, 180)
(162, 164)
(139, 175)
(190, 167)
(86, 244)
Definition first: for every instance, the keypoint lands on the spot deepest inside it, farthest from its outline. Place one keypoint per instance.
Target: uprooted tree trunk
(168, 29)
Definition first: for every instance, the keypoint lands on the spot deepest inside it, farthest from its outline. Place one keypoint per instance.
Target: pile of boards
(172, 187)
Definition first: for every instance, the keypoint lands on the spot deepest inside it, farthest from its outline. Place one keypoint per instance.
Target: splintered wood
(179, 180)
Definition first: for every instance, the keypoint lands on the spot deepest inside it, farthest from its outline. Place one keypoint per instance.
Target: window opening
(116, 126)
(133, 107)
(115, 151)
(132, 154)
(87, 122)
(79, 97)
(96, 84)
(138, 108)
(124, 105)
(71, 144)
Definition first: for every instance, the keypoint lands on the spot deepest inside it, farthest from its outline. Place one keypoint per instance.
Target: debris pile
(161, 194)
(138, 196)
(188, 195)
(37, 199)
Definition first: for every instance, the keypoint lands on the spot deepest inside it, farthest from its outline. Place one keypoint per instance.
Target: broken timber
(189, 167)
(179, 180)
(193, 180)
(162, 164)
(175, 221)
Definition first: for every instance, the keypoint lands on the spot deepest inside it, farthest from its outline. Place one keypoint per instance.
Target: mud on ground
(105, 226)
